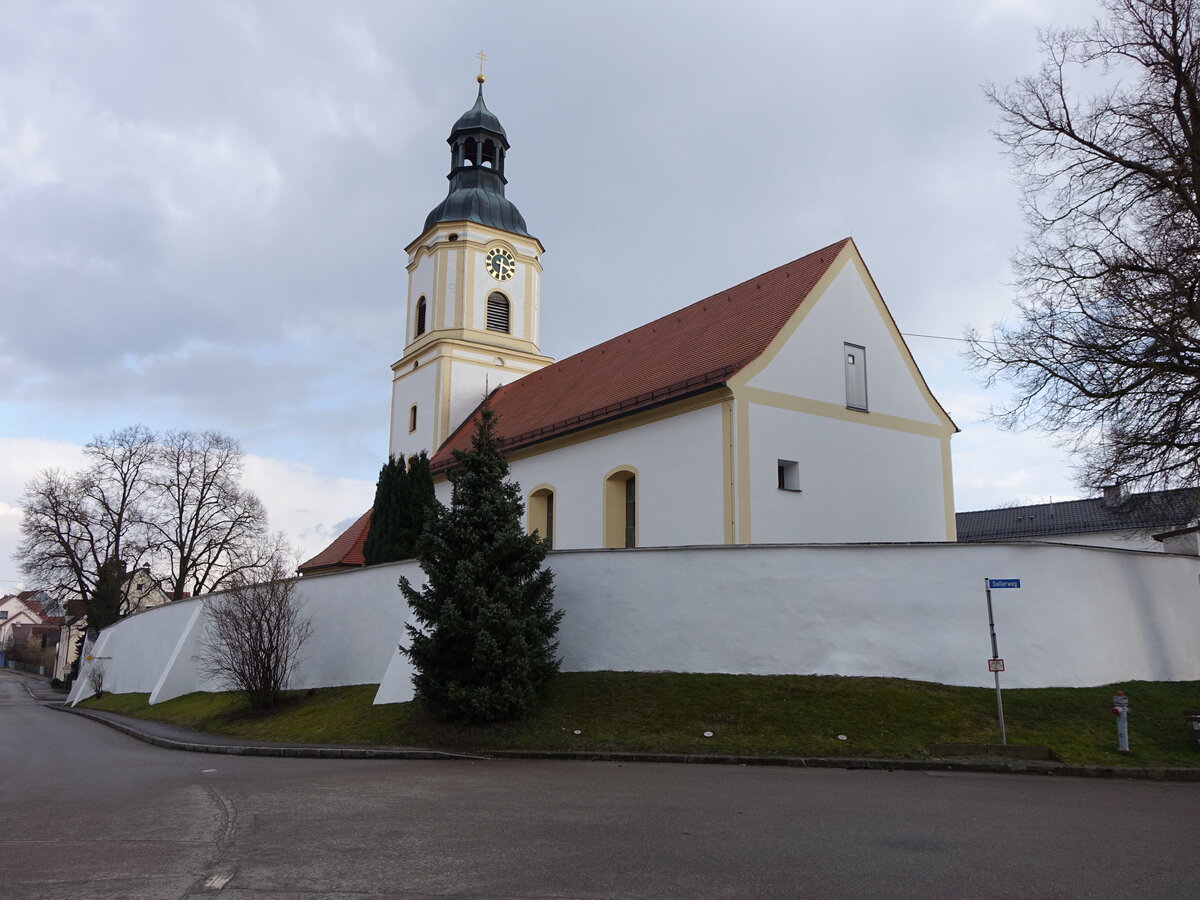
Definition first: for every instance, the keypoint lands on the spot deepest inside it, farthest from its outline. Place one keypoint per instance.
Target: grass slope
(778, 715)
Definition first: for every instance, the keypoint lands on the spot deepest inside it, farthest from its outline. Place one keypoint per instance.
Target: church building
(785, 409)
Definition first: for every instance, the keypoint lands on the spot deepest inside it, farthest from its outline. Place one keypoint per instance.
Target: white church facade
(786, 409)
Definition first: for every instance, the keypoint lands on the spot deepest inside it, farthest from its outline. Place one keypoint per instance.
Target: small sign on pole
(996, 664)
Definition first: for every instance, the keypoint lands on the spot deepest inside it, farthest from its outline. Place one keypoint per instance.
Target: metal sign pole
(987, 589)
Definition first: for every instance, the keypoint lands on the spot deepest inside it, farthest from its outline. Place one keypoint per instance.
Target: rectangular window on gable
(789, 475)
(3, 613)
(855, 364)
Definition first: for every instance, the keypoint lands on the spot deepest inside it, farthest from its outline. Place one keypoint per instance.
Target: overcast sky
(204, 205)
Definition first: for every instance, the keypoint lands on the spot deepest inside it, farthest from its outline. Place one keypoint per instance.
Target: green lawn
(779, 715)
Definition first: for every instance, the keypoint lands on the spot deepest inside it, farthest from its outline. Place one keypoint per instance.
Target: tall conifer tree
(387, 519)
(419, 500)
(103, 606)
(484, 649)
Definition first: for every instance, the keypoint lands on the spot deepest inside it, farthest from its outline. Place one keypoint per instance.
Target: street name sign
(994, 583)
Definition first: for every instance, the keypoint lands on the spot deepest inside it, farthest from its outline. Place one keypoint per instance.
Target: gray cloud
(203, 206)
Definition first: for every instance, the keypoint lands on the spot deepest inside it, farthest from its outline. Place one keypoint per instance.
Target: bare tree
(116, 486)
(253, 635)
(73, 523)
(95, 677)
(1106, 348)
(206, 527)
(173, 503)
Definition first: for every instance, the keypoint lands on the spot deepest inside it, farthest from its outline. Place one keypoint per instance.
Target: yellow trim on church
(826, 410)
(728, 486)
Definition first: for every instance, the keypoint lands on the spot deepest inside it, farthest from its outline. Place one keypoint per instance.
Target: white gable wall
(810, 363)
(857, 482)
(879, 475)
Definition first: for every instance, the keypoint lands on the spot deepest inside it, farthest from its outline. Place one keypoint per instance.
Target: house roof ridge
(345, 549)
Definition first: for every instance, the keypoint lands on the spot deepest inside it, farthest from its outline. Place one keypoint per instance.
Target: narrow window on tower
(497, 312)
(420, 317)
(412, 417)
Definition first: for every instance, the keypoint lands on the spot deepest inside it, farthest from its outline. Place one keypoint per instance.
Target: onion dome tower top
(478, 146)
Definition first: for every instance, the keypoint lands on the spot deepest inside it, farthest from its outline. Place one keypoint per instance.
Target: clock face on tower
(500, 264)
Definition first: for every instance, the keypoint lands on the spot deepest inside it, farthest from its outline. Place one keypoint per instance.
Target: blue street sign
(994, 583)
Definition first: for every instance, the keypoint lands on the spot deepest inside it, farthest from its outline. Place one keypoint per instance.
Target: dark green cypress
(387, 519)
(103, 607)
(484, 646)
(418, 500)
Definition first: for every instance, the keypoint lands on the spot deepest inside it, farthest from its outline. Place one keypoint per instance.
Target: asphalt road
(90, 813)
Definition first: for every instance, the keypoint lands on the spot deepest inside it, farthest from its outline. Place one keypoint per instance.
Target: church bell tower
(474, 282)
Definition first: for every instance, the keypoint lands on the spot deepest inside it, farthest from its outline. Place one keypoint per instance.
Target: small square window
(789, 475)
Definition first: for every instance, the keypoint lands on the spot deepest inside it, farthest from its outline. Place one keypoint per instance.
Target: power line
(942, 337)
(936, 337)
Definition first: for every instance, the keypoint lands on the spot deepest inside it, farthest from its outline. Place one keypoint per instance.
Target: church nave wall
(679, 465)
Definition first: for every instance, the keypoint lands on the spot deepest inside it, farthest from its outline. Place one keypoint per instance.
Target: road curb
(888, 765)
(997, 767)
(296, 751)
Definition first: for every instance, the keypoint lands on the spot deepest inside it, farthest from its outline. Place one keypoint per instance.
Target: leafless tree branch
(1105, 350)
(253, 635)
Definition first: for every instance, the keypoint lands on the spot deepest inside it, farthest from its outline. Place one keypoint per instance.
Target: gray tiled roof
(1155, 511)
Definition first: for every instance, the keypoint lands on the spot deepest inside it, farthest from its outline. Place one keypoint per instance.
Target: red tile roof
(34, 606)
(692, 350)
(345, 551)
(686, 352)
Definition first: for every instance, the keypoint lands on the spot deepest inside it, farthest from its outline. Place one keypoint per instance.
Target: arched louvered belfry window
(497, 312)
(420, 317)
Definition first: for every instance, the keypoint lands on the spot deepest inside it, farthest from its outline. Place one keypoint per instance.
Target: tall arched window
(497, 312)
(620, 509)
(420, 317)
(541, 514)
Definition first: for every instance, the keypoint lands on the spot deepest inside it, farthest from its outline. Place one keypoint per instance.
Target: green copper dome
(478, 146)
(478, 117)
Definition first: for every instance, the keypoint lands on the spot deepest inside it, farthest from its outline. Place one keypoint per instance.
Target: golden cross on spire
(482, 57)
